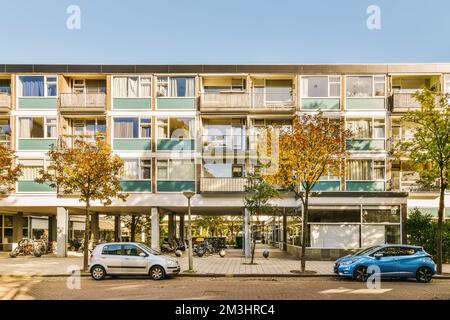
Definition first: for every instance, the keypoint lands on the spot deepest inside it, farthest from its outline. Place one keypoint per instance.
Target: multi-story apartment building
(199, 128)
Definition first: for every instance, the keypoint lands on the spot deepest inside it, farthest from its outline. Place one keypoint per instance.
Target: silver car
(119, 258)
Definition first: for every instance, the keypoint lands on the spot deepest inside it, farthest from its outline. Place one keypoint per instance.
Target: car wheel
(157, 273)
(360, 274)
(424, 275)
(98, 273)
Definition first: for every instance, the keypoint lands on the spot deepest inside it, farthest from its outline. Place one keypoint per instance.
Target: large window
(176, 87)
(175, 128)
(137, 169)
(5, 131)
(5, 86)
(132, 128)
(321, 86)
(30, 169)
(38, 86)
(132, 87)
(365, 86)
(176, 169)
(366, 128)
(212, 85)
(38, 127)
(366, 170)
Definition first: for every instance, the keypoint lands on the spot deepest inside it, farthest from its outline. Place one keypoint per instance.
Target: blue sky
(229, 31)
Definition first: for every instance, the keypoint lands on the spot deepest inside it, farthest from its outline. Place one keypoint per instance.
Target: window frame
(373, 76)
(140, 168)
(191, 131)
(45, 126)
(168, 169)
(46, 82)
(46, 163)
(168, 86)
(372, 168)
(372, 126)
(139, 96)
(328, 86)
(113, 122)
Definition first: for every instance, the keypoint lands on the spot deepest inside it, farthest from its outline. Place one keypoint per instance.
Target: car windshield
(148, 249)
(367, 250)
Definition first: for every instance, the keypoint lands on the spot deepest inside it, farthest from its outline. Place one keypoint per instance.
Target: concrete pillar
(247, 239)
(404, 218)
(284, 231)
(117, 228)
(181, 227)
(52, 229)
(95, 228)
(170, 226)
(17, 228)
(62, 222)
(155, 229)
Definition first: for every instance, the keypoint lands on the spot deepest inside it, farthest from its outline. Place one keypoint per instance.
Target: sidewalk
(205, 266)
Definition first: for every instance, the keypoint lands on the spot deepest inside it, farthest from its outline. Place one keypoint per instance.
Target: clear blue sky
(224, 31)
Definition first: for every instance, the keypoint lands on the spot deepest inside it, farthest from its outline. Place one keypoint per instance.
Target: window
(223, 85)
(38, 127)
(5, 130)
(278, 90)
(447, 83)
(321, 86)
(132, 87)
(30, 169)
(365, 170)
(366, 86)
(176, 169)
(176, 87)
(112, 249)
(366, 128)
(5, 86)
(95, 86)
(131, 250)
(381, 214)
(132, 128)
(175, 128)
(39, 86)
(137, 169)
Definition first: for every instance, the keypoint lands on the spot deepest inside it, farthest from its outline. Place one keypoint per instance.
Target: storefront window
(381, 214)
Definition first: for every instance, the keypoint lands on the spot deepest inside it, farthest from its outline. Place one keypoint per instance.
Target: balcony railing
(245, 100)
(82, 101)
(5, 102)
(69, 141)
(224, 143)
(222, 184)
(405, 100)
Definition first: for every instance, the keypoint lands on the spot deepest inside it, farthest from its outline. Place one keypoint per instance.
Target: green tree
(257, 200)
(213, 225)
(315, 146)
(88, 170)
(430, 150)
(9, 172)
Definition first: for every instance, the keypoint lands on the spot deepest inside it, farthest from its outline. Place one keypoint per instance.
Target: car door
(407, 261)
(132, 261)
(111, 257)
(388, 262)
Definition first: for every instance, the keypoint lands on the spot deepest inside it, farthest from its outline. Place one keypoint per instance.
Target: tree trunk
(304, 233)
(87, 233)
(253, 248)
(133, 228)
(440, 227)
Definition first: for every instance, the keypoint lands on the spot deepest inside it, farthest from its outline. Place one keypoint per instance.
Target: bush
(422, 229)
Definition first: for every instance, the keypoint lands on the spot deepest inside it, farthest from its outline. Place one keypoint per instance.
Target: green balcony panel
(37, 103)
(175, 186)
(132, 144)
(321, 104)
(36, 144)
(364, 186)
(175, 144)
(327, 186)
(136, 185)
(132, 103)
(365, 104)
(31, 186)
(365, 145)
(175, 104)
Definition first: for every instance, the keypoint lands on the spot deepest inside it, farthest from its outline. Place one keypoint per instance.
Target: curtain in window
(132, 87)
(30, 169)
(125, 128)
(362, 129)
(190, 87)
(181, 170)
(120, 87)
(173, 87)
(32, 86)
(131, 170)
(25, 125)
(162, 170)
(359, 170)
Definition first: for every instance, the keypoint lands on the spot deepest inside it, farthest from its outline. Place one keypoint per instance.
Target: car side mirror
(143, 255)
(378, 255)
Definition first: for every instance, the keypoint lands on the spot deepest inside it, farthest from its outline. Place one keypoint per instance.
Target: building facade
(201, 128)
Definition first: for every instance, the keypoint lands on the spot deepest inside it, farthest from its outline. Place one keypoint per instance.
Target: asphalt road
(61, 288)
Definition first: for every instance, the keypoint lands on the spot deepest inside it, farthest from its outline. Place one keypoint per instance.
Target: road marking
(371, 291)
(339, 290)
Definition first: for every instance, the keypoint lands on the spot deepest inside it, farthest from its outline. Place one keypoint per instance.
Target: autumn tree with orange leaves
(88, 170)
(313, 147)
(9, 172)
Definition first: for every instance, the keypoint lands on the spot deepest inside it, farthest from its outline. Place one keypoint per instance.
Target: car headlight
(346, 263)
(171, 263)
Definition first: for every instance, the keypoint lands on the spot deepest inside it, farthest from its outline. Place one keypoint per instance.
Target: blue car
(399, 261)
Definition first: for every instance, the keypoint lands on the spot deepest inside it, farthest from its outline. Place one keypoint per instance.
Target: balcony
(5, 102)
(403, 101)
(232, 101)
(224, 143)
(68, 141)
(70, 103)
(227, 185)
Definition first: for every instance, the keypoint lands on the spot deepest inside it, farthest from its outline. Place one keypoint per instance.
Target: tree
(313, 147)
(133, 222)
(257, 200)
(214, 225)
(9, 172)
(430, 150)
(88, 170)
